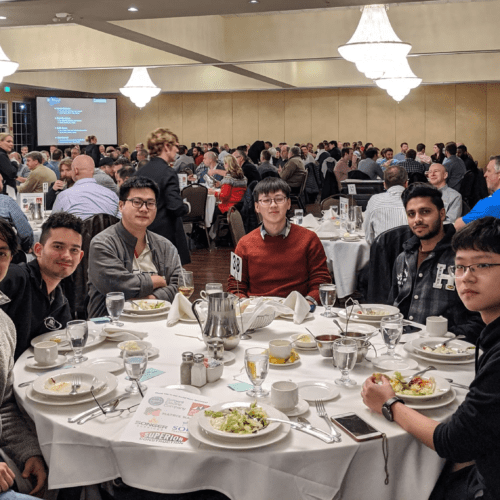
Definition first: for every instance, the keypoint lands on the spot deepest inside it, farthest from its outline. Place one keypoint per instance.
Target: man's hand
(211, 191)
(7, 477)
(35, 466)
(158, 281)
(58, 185)
(21, 179)
(375, 395)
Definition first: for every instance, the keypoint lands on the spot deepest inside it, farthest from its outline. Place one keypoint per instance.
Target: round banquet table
(296, 468)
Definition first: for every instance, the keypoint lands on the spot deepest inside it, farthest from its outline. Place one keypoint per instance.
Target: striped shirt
(384, 211)
(10, 211)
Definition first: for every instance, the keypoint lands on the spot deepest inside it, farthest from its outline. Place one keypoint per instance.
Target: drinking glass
(135, 362)
(335, 211)
(211, 288)
(392, 329)
(257, 366)
(186, 283)
(115, 302)
(345, 352)
(358, 211)
(299, 215)
(328, 295)
(77, 332)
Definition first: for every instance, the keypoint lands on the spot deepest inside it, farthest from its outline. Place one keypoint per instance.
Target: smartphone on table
(356, 427)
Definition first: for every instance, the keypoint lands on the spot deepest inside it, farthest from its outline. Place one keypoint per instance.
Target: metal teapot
(221, 320)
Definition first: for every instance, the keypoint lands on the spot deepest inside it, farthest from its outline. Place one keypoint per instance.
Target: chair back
(465, 208)
(330, 202)
(196, 195)
(358, 174)
(235, 225)
(76, 286)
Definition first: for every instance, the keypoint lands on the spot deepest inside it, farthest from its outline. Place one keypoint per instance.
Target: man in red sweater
(279, 257)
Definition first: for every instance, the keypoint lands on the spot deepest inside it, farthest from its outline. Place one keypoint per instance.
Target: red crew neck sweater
(277, 266)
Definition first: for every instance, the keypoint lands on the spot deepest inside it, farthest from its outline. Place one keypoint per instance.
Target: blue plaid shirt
(10, 211)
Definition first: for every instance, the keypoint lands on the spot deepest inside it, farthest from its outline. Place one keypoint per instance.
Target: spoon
(338, 324)
(421, 372)
(450, 380)
(25, 384)
(311, 334)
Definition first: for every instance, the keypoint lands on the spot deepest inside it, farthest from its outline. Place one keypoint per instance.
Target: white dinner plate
(206, 426)
(162, 306)
(409, 349)
(328, 236)
(200, 435)
(111, 365)
(442, 387)
(300, 409)
(148, 316)
(453, 344)
(111, 384)
(385, 363)
(316, 389)
(355, 316)
(301, 344)
(185, 388)
(88, 376)
(33, 365)
(64, 346)
(289, 316)
(431, 404)
(350, 240)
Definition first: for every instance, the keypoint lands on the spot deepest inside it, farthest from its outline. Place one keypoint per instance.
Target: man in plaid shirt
(422, 285)
(410, 164)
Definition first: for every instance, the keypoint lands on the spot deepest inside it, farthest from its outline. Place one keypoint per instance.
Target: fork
(320, 408)
(75, 385)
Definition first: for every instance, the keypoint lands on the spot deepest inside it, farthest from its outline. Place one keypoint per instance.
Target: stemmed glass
(299, 216)
(257, 366)
(115, 302)
(345, 352)
(392, 329)
(186, 283)
(77, 332)
(135, 362)
(328, 295)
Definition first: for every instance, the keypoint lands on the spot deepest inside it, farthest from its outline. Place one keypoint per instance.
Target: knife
(308, 425)
(86, 413)
(300, 427)
(98, 413)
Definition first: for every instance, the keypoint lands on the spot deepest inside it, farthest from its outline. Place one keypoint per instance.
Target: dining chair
(196, 195)
(296, 197)
(235, 225)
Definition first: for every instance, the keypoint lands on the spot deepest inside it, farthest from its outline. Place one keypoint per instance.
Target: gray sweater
(17, 438)
(111, 258)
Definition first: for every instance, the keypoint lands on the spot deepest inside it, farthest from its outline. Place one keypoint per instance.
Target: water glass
(115, 302)
(345, 352)
(392, 329)
(328, 295)
(257, 367)
(78, 333)
(135, 362)
(186, 283)
(211, 288)
(299, 216)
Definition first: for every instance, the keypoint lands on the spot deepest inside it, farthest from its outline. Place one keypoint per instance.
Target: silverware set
(96, 411)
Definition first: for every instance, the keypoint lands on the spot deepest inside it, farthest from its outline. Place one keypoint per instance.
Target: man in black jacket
(37, 303)
(249, 169)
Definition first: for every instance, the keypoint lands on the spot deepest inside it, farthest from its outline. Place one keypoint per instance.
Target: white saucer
(185, 388)
(111, 365)
(385, 363)
(285, 365)
(317, 389)
(227, 358)
(347, 240)
(33, 365)
(300, 409)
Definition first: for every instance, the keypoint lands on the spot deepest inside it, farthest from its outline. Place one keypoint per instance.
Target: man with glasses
(86, 198)
(127, 257)
(279, 257)
(422, 285)
(37, 301)
(470, 439)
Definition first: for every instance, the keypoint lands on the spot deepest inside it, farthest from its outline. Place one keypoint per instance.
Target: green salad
(239, 420)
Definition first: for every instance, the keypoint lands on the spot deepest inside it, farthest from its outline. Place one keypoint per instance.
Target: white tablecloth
(209, 210)
(297, 468)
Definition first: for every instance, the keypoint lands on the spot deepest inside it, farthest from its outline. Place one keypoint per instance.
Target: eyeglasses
(279, 200)
(476, 269)
(138, 203)
(111, 412)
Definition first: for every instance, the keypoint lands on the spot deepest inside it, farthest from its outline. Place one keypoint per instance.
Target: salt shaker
(199, 371)
(186, 365)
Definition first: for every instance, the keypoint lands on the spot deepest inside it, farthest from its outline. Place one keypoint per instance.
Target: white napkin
(181, 309)
(310, 221)
(254, 309)
(328, 214)
(328, 226)
(299, 306)
(119, 333)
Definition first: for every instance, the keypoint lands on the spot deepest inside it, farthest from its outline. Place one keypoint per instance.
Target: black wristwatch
(387, 410)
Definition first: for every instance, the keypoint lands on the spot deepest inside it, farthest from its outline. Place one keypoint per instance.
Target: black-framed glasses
(477, 269)
(138, 203)
(279, 200)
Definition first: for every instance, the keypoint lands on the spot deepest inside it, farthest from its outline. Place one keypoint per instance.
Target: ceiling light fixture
(253, 1)
(398, 79)
(7, 67)
(133, 9)
(140, 88)
(3, 17)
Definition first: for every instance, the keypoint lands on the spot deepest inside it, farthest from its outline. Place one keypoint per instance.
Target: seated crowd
(447, 265)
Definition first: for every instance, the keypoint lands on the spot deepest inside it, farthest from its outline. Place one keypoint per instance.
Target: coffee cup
(436, 325)
(285, 395)
(281, 349)
(46, 352)
(211, 288)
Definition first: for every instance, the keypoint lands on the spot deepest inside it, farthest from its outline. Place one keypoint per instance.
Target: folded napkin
(252, 309)
(119, 333)
(299, 305)
(328, 226)
(181, 309)
(310, 221)
(328, 214)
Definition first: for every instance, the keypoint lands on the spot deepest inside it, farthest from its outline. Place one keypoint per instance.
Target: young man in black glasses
(470, 440)
(279, 257)
(127, 257)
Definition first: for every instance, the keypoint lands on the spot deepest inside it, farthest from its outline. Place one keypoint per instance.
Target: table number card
(236, 266)
(45, 187)
(351, 188)
(162, 418)
(344, 208)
